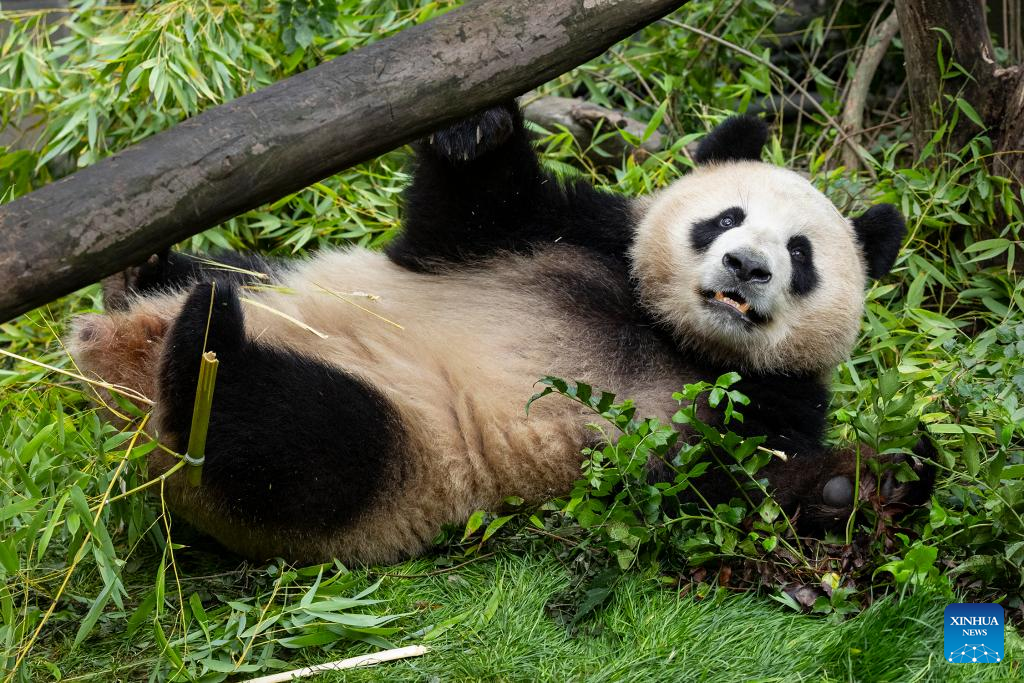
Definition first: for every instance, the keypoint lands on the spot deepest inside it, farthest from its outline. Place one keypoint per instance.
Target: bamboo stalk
(350, 663)
(196, 453)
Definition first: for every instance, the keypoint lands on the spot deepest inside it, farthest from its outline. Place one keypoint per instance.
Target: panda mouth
(734, 303)
(734, 300)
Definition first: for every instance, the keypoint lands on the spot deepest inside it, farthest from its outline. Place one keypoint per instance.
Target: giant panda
(365, 399)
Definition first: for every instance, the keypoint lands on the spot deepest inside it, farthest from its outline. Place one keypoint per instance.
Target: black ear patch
(880, 232)
(738, 138)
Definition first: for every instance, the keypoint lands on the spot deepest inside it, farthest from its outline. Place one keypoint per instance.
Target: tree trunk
(240, 155)
(996, 94)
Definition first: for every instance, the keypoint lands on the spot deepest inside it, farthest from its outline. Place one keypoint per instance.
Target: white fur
(806, 333)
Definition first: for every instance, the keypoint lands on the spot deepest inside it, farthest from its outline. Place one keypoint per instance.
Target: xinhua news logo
(973, 633)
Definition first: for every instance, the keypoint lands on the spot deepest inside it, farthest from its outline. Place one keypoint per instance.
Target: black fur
(471, 138)
(704, 232)
(805, 274)
(267, 401)
(471, 199)
(176, 269)
(738, 138)
(880, 231)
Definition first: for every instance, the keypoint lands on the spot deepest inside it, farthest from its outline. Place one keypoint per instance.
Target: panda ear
(880, 232)
(738, 138)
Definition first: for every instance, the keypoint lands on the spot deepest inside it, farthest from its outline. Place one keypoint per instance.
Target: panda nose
(748, 266)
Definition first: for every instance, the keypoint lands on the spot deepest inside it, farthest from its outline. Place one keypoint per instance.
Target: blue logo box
(973, 633)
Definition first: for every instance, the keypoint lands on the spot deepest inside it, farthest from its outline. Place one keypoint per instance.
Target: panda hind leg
(297, 449)
(821, 486)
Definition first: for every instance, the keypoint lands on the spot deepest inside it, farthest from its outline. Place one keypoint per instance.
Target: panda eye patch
(805, 276)
(706, 231)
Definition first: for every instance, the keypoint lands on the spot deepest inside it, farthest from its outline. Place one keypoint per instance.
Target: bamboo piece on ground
(350, 663)
(196, 453)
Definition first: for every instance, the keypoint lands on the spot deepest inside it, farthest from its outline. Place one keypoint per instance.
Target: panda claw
(472, 138)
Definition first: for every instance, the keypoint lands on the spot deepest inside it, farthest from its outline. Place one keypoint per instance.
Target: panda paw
(473, 137)
(892, 484)
(119, 287)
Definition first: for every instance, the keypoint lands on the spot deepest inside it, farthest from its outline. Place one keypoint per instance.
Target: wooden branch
(257, 148)
(853, 111)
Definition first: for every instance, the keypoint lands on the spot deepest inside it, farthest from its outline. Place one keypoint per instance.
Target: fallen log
(240, 155)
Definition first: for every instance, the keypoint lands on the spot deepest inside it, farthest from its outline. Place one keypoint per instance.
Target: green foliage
(629, 518)
(301, 20)
(93, 578)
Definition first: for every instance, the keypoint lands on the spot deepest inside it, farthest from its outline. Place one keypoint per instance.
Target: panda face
(753, 267)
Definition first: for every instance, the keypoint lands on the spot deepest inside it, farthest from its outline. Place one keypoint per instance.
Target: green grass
(649, 633)
(499, 620)
(941, 352)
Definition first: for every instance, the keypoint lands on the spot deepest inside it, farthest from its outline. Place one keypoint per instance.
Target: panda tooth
(741, 307)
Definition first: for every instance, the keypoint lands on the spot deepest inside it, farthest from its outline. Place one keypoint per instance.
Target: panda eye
(726, 221)
(798, 254)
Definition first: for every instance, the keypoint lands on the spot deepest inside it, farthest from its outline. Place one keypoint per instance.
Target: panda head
(754, 268)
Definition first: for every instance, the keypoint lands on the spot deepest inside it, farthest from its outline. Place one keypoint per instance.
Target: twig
(289, 318)
(562, 539)
(853, 111)
(127, 392)
(350, 663)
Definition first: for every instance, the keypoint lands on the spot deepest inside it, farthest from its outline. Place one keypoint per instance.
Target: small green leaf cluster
(632, 517)
(300, 21)
(314, 606)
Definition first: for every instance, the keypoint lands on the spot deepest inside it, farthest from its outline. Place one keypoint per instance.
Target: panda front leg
(479, 190)
(477, 186)
(297, 449)
(821, 487)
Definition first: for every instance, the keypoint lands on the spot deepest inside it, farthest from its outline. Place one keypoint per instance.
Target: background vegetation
(99, 583)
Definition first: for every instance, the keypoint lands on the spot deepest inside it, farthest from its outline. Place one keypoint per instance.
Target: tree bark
(240, 155)
(996, 94)
(969, 46)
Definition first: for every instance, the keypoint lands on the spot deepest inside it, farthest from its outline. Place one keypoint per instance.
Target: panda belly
(457, 355)
(454, 355)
